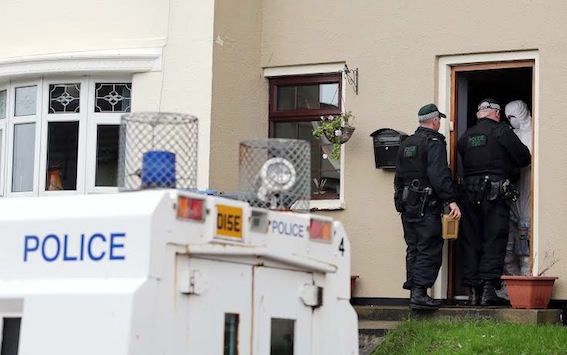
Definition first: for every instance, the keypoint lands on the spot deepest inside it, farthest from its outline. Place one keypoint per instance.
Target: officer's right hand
(455, 210)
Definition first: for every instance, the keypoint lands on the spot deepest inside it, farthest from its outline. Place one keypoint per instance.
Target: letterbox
(386, 143)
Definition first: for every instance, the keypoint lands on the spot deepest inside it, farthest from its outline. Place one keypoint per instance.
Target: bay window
(60, 136)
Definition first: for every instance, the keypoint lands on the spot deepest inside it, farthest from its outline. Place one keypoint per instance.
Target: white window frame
(94, 120)
(88, 121)
(331, 68)
(14, 120)
(123, 62)
(3, 144)
(47, 118)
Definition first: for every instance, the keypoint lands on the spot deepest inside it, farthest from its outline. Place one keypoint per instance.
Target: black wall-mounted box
(386, 143)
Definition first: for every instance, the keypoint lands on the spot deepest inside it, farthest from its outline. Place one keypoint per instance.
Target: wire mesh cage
(275, 173)
(157, 150)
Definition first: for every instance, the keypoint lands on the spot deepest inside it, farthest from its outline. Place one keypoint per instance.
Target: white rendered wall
(165, 45)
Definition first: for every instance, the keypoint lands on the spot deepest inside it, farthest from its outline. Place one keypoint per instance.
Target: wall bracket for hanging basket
(351, 75)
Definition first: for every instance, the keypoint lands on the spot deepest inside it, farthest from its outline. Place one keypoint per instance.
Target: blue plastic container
(158, 169)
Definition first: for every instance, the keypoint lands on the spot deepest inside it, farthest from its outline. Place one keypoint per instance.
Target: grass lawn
(473, 337)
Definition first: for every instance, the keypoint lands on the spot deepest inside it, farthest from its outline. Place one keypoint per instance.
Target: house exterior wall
(213, 53)
(182, 30)
(187, 71)
(39, 27)
(240, 92)
(396, 46)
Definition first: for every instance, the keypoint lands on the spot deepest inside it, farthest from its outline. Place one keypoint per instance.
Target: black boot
(419, 299)
(474, 296)
(489, 296)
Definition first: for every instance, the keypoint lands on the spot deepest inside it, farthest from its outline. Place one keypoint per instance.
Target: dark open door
(502, 81)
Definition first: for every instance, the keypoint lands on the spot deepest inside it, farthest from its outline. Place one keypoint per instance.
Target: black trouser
(424, 249)
(483, 239)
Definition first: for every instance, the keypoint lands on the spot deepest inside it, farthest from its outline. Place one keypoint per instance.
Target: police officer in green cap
(492, 155)
(423, 186)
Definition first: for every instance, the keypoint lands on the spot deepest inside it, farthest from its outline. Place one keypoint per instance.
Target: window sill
(327, 205)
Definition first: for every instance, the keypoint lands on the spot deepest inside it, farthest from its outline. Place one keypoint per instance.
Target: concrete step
(376, 327)
(505, 314)
(371, 333)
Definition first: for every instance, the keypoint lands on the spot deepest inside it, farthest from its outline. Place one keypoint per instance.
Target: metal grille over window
(64, 98)
(157, 150)
(113, 97)
(276, 173)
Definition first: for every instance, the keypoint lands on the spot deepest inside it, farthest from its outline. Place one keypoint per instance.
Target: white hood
(520, 110)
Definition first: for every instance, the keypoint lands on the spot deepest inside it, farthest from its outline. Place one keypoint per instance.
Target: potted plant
(319, 186)
(337, 129)
(532, 292)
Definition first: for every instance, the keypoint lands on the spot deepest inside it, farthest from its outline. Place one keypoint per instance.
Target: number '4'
(342, 246)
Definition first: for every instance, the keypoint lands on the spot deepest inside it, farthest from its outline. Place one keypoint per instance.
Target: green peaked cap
(428, 112)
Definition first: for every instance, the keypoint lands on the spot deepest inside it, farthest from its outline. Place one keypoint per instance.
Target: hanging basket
(529, 292)
(347, 133)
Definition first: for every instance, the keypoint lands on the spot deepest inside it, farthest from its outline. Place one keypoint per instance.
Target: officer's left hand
(455, 210)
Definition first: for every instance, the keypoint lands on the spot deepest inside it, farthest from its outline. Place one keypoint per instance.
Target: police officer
(491, 156)
(423, 184)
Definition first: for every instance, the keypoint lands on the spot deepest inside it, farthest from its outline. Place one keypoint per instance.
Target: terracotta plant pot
(529, 292)
(352, 282)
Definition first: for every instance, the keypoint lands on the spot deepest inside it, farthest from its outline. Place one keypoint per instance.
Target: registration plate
(229, 222)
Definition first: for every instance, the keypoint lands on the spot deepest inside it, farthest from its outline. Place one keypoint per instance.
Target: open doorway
(502, 81)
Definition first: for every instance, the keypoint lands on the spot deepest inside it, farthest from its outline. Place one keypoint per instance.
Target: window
(231, 321)
(2, 104)
(3, 113)
(296, 106)
(282, 336)
(10, 333)
(61, 136)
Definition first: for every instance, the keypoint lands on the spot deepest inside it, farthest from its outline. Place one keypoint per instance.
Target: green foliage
(471, 336)
(330, 127)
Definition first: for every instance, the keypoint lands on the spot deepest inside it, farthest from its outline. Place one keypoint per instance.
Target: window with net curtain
(296, 106)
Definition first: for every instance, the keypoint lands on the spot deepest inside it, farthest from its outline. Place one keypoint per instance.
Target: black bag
(522, 240)
(412, 202)
(398, 201)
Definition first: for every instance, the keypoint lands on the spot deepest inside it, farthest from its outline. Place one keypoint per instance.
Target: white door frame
(444, 65)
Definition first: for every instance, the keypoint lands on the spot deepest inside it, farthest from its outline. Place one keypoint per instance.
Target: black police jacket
(492, 148)
(423, 156)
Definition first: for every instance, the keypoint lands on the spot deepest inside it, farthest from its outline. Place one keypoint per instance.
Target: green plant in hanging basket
(337, 129)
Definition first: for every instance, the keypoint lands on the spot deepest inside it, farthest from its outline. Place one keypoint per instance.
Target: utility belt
(417, 200)
(490, 188)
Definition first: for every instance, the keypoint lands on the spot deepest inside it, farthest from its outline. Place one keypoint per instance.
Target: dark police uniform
(491, 155)
(421, 166)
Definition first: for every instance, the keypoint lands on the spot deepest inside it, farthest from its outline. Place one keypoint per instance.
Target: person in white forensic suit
(517, 260)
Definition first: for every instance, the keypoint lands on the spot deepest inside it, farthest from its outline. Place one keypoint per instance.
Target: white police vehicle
(171, 272)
